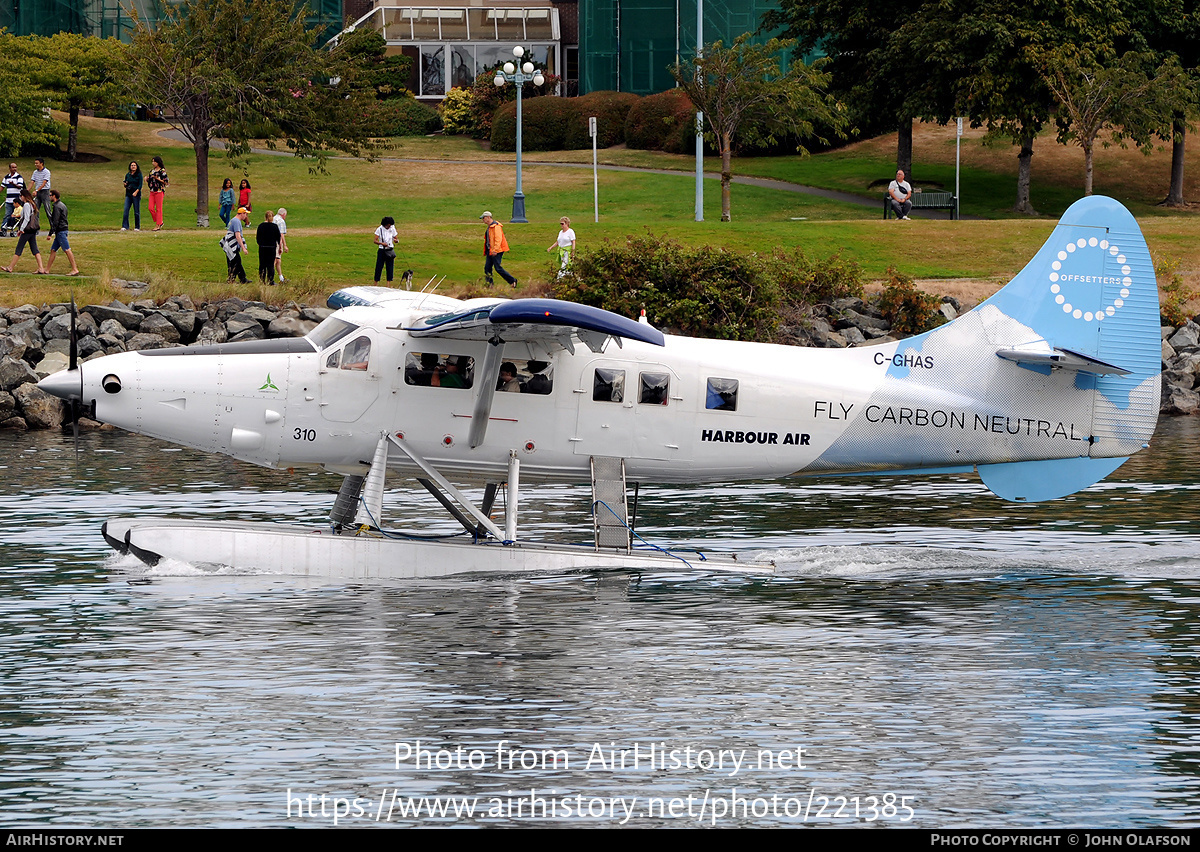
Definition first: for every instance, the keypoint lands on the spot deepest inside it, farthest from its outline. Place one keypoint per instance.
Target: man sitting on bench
(900, 196)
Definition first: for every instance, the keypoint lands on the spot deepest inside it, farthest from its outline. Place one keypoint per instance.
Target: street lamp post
(511, 73)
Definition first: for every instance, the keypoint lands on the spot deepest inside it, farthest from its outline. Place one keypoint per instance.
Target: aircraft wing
(543, 320)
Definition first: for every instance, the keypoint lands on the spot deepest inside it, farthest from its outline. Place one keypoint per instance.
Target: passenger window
(429, 369)
(533, 376)
(332, 361)
(608, 385)
(356, 354)
(722, 395)
(655, 388)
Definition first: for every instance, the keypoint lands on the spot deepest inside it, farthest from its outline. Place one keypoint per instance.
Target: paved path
(746, 180)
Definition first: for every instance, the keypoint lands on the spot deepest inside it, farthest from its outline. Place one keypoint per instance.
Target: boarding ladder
(610, 508)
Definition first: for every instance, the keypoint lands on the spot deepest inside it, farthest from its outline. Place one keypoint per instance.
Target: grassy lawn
(436, 205)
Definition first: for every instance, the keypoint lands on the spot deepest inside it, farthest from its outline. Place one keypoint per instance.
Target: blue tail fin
(1044, 388)
(1090, 291)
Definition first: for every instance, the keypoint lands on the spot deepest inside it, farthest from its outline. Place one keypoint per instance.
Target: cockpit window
(330, 332)
(356, 354)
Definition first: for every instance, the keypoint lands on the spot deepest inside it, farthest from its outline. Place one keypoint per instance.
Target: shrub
(1175, 293)
(412, 118)
(909, 310)
(610, 108)
(544, 124)
(458, 117)
(486, 98)
(662, 122)
(704, 291)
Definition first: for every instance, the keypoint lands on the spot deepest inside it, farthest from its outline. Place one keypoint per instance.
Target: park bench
(926, 201)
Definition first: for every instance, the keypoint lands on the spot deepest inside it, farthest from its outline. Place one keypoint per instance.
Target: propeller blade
(76, 401)
(74, 350)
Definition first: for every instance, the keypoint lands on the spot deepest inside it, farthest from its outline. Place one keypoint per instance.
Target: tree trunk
(1087, 168)
(201, 148)
(1024, 160)
(904, 148)
(73, 134)
(726, 174)
(1175, 193)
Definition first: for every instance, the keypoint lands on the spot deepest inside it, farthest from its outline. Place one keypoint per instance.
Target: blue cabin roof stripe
(556, 312)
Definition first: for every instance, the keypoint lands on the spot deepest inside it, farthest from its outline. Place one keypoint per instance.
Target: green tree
(873, 68)
(23, 104)
(986, 62)
(77, 72)
(744, 94)
(366, 51)
(1170, 28)
(1123, 98)
(243, 69)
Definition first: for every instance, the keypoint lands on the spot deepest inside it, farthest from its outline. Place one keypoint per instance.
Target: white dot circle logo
(1056, 276)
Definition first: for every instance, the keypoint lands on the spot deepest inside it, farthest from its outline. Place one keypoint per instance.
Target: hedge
(662, 122)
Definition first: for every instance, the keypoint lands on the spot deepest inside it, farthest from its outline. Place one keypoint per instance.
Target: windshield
(330, 332)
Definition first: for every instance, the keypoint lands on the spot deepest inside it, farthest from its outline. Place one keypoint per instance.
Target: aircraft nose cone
(64, 384)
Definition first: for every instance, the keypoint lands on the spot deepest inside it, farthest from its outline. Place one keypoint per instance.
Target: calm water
(982, 663)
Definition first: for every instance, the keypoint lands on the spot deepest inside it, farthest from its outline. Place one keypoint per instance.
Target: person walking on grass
(157, 183)
(226, 201)
(28, 231)
(13, 184)
(494, 247)
(281, 223)
(41, 185)
(236, 245)
(565, 243)
(385, 238)
(267, 237)
(58, 233)
(133, 197)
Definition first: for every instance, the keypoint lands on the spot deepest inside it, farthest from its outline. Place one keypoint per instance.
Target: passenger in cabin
(452, 374)
(540, 382)
(508, 378)
(422, 372)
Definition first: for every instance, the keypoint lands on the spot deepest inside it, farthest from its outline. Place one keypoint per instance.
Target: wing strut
(445, 485)
(487, 389)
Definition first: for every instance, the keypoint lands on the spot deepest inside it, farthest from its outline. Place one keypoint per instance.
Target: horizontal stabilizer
(1063, 359)
(534, 319)
(1034, 481)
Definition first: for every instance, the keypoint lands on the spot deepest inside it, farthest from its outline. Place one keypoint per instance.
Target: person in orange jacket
(494, 247)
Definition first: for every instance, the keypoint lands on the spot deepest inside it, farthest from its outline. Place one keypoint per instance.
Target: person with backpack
(28, 229)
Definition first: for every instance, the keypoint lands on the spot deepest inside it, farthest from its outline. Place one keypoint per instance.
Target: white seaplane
(1043, 389)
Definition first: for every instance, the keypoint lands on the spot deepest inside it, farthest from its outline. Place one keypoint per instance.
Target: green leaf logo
(268, 384)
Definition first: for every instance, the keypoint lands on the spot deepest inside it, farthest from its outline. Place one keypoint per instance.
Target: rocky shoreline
(34, 342)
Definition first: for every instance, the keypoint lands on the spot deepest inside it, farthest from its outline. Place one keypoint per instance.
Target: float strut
(489, 500)
(514, 490)
(468, 525)
(446, 487)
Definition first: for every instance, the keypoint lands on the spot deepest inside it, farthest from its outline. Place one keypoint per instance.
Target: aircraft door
(631, 409)
(349, 378)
